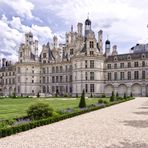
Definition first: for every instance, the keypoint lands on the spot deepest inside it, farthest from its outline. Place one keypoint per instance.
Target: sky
(123, 21)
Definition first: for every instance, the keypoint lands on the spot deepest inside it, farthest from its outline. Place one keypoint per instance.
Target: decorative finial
(71, 28)
(107, 36)
(88, 15)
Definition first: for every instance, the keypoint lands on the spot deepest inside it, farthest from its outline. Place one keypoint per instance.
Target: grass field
(13, 108)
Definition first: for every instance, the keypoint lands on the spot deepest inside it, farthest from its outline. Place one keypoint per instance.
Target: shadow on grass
(136, 123)
(127, 144)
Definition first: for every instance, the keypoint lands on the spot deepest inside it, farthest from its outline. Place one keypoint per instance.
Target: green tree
(91, 95)
(39, 111)
(38, 94)
(82, 102)
(13, 95)
(112, 98)
(131, 95)
(117, 95)
(125, 96)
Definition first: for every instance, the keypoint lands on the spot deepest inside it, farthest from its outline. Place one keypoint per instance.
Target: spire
(71, 28)
(88, 15)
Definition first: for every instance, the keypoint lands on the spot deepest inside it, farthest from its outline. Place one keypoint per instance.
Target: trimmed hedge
(27, 126)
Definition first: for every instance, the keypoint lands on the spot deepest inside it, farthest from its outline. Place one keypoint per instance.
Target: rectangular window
(53, 79)
(47, 79)
(47, 70)
(44, 70)
(108, 66)
(91, 44)
(44, 55)
(71, 51)
(143, 63)
(18, 69)
(115, 65)
(136, 75)
(57, 70)
(121, 75)
(66, 78)
(18, 79)
(121, 65)
(53, 89)
(66, 68)
(91, 75)
(44, 81)
(86, 76)
(115, 75)
(61, 69)
(109, 76)
(57, 79)
(86, 88)
(143, 74)
(91, 52)
(91, 63)
(61, 79)
(53, 70)
(129, 64)
(136, 64)
(85, 63)
(129, 75)
(92, 88)
(70, 78)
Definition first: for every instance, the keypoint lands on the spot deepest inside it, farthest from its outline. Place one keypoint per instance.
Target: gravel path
(120, 126)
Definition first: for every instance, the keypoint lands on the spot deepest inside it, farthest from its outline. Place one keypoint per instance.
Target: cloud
(12, 35)
(22, 7)
(124, 21)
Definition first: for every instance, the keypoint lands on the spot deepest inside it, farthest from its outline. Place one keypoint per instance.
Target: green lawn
(12, 108)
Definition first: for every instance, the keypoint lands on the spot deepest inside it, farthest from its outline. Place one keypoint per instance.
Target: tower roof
(107, 42)
(87, 21)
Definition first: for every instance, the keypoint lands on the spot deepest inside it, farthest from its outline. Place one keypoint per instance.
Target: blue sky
(125, 21)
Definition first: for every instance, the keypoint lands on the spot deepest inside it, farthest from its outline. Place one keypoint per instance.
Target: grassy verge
(24, 127)
(15, 108)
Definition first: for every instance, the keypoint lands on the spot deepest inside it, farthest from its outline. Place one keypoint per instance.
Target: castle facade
(80, 64)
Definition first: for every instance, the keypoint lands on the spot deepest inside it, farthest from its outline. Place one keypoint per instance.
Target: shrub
(103, 96)
(13, 95)
(39, 111)
(119, 98)
(38, 95)
(91, 95)
(125, 96)
(131, 95)
(100, 101)
(77, 95)
(82, 103)
(112, 98)
(117, 95)
(105, 102)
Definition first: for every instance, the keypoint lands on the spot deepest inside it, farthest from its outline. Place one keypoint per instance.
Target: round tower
(87, 26)
(107, 47)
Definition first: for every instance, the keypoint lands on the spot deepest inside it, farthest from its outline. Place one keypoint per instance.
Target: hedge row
(24, 127)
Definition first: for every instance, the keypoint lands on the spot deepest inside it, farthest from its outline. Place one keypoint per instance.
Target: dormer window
(143, 56)
(115, 58)
(129, 57)
(44, 55)
(91, 44)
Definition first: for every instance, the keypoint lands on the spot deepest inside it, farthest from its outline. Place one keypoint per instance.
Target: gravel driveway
(120, 126)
